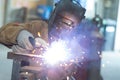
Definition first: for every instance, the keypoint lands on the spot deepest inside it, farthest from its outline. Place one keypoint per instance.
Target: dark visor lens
(65, 22)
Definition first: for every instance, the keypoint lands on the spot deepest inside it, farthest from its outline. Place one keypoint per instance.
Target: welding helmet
(66, 15)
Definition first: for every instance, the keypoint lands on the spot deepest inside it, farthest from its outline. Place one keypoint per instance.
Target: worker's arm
(9, 33)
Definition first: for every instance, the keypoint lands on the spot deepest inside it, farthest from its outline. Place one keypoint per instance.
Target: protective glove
(25, 42)
(17, 49)
(39, 42)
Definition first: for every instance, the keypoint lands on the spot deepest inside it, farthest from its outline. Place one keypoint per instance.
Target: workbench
(16, 68)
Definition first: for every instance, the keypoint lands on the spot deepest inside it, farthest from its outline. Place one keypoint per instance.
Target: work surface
(21, 56)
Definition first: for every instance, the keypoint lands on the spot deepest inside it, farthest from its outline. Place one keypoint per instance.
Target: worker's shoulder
(39, 22)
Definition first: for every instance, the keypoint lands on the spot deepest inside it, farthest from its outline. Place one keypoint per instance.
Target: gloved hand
(27, 43)
(26, 40)
(40, 46)
(39, 42)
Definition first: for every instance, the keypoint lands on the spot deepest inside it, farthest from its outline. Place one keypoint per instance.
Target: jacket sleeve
(9, 32)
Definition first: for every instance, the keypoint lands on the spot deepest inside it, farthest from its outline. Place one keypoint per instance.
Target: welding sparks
(60, 53)
(57, 53)
(39, 35)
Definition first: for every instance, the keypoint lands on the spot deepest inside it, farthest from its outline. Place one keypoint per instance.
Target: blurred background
(107, 11)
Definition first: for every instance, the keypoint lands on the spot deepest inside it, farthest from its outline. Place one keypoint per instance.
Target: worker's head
(65, 17)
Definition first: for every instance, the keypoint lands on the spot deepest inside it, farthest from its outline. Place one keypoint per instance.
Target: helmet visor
(66, 22)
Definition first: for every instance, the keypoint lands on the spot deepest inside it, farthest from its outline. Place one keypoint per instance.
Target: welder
(22, 38)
